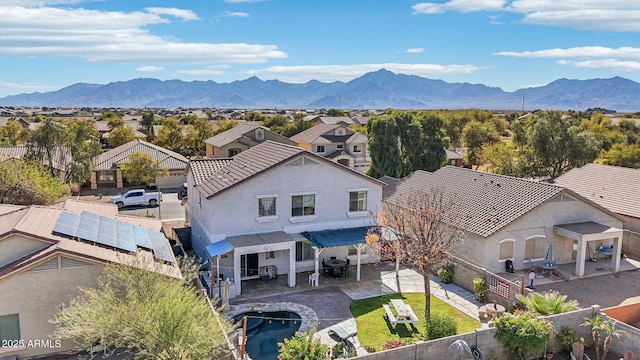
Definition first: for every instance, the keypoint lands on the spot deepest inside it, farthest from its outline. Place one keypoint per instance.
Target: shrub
(440, 326)
(342, 351)
(523, 334)
(480, 289)
(566, 338)
(446, 274)
(302, 346)
(548, 303)
(393, 343)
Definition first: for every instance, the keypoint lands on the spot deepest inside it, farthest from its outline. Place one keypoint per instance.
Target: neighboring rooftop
(237, 134)
(613, 187)
(483, 203)
(113, 158)
(61, 155)
(203, 169)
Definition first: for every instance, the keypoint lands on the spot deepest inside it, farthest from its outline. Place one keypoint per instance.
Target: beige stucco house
(338, 143)
(42, 265)
(503, 218)
(240, 138)
(106, 166)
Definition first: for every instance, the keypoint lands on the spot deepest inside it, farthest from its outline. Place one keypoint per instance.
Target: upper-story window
(302, 205)
(357, 201)
(267, 206)
(320, 149)
(233, 152)
(357, 148)
(339, 146)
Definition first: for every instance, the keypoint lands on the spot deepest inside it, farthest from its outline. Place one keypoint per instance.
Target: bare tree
(417, 220)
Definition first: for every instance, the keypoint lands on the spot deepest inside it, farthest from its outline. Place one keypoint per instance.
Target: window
(339, 146)
(233, 152)
(303, 205)
(506, 249)
(9, 328)
(134, 194)
(107, 176)
(320, 148)
(259, 134)
(354, 251)
(267, 206)
(534, 248)
(304, 251)
(358, 201)
(357, 148)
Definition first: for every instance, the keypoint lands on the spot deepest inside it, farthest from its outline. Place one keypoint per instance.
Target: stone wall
(631, 243)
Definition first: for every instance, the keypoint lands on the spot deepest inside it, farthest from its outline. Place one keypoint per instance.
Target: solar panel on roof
(67, 224)
(141, 236)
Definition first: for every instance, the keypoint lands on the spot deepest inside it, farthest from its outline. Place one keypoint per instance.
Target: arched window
(506, 249)
(534, 247)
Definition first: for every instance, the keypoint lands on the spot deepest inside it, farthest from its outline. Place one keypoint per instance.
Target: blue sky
(49, 44)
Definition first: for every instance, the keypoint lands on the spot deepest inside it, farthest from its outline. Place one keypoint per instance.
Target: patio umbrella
(226, 289)
(549, 257)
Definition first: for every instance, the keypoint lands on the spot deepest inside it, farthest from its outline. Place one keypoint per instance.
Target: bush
(302, 346)
(342, 351)
(566, 338)
(440, 326)
(393, 343)
(522, 335)
(446, 274)
(480, 289)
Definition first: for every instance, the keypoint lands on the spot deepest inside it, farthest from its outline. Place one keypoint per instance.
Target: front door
(249, 265)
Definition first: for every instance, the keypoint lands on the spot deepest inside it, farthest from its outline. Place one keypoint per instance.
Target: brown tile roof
(237, 134)
(357, 138)
(312, 133)
(247, 164)
(203, 169)
(61, 155)
(483, 203)
(166, 158)
(613, 187)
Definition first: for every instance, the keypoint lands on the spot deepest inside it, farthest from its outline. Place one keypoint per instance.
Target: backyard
(374, 330)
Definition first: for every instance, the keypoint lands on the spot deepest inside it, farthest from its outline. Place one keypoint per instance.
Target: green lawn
(374, 329)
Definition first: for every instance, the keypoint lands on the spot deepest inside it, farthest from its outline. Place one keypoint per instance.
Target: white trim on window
(512, 249)
(264, 219)
(303, 218)
(266, 196)
(358, 189)
(299, 193)
(353, 214)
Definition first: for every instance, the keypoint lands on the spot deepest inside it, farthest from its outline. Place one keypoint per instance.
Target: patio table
(335, 265)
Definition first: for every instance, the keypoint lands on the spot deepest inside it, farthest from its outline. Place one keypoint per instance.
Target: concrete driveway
(604, 290)
(169, 209)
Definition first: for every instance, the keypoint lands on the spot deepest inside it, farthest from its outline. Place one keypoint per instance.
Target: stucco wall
(36, 295)
(16, 246)
(538, 222)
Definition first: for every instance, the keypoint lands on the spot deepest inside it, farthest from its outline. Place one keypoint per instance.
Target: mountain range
(375, 90)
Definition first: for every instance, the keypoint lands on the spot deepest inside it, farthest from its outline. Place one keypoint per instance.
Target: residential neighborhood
(295, 228)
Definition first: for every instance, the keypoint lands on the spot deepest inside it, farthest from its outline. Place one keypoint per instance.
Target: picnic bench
(490, 310)
(404, 313)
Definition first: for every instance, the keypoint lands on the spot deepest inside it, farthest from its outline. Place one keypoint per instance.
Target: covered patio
(324, 239)
(593, 240)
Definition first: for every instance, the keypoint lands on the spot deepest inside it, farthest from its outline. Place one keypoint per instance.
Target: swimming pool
(265, 330)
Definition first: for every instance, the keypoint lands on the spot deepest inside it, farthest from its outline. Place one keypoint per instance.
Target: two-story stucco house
(280, 207)
(337, 143)
(48, 252)
(239, 138)
(505, 218)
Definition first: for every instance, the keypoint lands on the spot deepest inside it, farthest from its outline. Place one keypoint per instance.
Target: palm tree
(609, 329)
(548, 303)
(595, 323)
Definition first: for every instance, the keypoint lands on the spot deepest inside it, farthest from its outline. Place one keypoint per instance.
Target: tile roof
(166, 158)
(203, 169)
(612, 187)
(357, 138)
(248, 163)
(312, 133)
(483, 203)
(336, 119)
(231, 135)
(61, 155)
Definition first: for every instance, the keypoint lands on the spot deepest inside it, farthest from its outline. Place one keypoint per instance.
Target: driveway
(605, 290)
(170, 207)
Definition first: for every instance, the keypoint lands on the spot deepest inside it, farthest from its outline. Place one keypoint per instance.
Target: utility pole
(213, 101)
(28, 100)
(339, 101)
(524, 92)
(110, 101)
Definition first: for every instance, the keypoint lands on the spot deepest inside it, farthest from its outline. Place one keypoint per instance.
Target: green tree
(224, 125)
(302, 346)
(120, 135)
(522, 335)
(402, 142)
(140, 168)
(296, 127)
(255, 116)
(45, 144)
(503, 158)
(147, 122)
(13, 133)
(27, 183)
(610, 331)
(82, 141)
(277, 124)
(627, 155)
(548, 303)
(196, 134)
(475, 135)
(152, 315)
(113, 120)
(336, 112)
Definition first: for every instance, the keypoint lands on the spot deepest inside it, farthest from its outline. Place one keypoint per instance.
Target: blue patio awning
(219, 248)
(337, 237)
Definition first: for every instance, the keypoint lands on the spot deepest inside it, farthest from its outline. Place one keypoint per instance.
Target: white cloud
(582, 52)
(200, 72)
(29, 86)
(613, 15)
(414, 50)
(30, 3)
(301, 74)
(462, 6)
(114, 36)
(179, 13)
(149, 68)
(604, 64)
(235, 14)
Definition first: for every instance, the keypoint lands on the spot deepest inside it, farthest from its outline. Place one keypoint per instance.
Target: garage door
(171, 181)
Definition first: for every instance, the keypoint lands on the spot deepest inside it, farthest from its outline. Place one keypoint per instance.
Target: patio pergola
(585, 232)
(337, 237)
